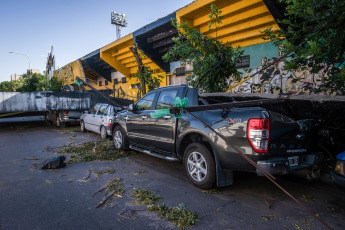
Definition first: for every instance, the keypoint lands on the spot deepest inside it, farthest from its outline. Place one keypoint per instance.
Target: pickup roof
(275, 142)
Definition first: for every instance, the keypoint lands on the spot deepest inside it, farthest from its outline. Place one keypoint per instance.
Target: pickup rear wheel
(200, 166)
(119, 138)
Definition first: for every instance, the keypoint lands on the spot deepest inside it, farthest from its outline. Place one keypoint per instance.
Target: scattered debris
(69, 130)
(114, 187)
(98, 174)
(86, 178)
(54, 163)
(308, 198)
(308, 223)
(335, 209)
(103, 171)
(90, 151)
(297, 227)
(138, 173)
(128, 213)
(145, 197)
(267, 218)
(211, 191)
(220, 209)
(178, 215)
(269, 203)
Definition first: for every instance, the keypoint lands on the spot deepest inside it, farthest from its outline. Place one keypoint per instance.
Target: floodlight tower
(119, 20)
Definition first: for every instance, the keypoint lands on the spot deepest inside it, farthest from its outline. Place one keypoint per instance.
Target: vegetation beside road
(31, 83)
(178, 215)
(114, 187)
(102, 150)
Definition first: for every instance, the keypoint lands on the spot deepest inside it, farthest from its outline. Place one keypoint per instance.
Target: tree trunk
(134, 50)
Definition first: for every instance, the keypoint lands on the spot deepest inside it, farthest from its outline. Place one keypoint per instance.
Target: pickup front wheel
(200, 166)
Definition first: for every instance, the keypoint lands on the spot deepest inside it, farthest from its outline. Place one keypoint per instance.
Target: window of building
(244, 62)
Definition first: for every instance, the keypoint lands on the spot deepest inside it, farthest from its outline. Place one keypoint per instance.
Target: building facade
(114, 65)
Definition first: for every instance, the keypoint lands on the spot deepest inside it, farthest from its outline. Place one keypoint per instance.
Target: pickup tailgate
(291, 146)
(289, 137)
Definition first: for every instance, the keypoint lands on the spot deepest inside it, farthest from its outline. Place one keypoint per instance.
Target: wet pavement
(32, 198)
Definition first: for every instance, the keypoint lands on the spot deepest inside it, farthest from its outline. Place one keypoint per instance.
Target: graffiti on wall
(275, 79)
(65, 73)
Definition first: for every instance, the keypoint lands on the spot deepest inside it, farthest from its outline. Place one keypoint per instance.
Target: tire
(119, 138)
(200, 166)
(103, 132)
(59, 123)
(82, 127)
(46, 120)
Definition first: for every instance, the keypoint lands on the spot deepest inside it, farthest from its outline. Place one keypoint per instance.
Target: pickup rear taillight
(65, 113)
(258, 134)
(110, 122)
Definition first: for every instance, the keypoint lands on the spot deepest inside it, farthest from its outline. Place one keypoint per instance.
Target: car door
(137, 121)
(99, 117)
(162, 130)
(89, 118)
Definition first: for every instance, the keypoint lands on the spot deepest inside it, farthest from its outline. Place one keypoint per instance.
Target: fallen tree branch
(105, 200)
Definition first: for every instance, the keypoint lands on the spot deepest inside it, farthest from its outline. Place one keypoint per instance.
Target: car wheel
(59, 123)
(200, 166)
(103, 132)
(82, 127)
(119, 138)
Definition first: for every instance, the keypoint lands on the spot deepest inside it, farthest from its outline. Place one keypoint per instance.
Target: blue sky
(74, 27)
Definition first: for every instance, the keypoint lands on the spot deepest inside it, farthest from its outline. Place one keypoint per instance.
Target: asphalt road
(32, 198)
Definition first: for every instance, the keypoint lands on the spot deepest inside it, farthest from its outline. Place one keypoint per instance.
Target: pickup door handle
(167, 117)
(143, 117)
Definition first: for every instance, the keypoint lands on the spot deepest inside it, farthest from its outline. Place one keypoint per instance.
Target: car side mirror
(131, 107)
(86, 111)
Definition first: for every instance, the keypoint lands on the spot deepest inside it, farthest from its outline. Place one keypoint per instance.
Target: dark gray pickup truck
(277, 143)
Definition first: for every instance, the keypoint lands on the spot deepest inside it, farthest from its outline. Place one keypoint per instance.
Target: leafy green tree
(30, 83)
(10, 86)
(203, 53)
(313, 33)
(151, 81)
(144, 73)
(34, 82)
(55, 84)
(215, 18)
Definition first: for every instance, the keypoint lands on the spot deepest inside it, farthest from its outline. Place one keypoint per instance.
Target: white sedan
(99, 119)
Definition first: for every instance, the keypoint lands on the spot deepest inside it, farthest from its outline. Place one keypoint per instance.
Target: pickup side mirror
(131, 107)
